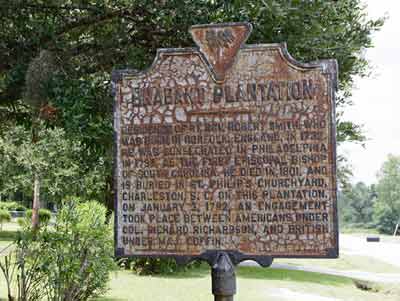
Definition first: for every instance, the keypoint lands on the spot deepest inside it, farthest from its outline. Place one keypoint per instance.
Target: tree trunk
(36, 202)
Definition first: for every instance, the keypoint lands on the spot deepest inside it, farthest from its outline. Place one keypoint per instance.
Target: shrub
(385, 218)
(70, 261)
(8, 205)
(24, 222)
(44, 215)
(12, 206)
(20, 208)
(79, 252)
(23, 267)
(156, 266)
(148, 266)
(4, 217)
(4, 205)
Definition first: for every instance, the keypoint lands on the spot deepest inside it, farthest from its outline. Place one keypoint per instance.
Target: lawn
(356, 230)
(346, 263)
(253, 283)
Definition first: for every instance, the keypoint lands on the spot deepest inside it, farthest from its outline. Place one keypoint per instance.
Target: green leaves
(357, 204)
(91, 38)
(5, 216)
(388, 192)
(54, 157)
(79, 252)
(68, 261)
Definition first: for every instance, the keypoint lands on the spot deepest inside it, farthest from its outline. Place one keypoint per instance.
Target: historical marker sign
(226, 147)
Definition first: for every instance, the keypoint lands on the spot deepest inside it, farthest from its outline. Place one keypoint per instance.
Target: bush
(20, 208)
(24, 222)
(4, 205)
(70, 261)
(4, 217)
(79, 252)
(12, 206)
(148, 266)
(385, 218)
(156, 266)
(44, 215)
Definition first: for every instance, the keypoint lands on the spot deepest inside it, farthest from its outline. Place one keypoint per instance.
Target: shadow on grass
(8, 235)
(105, 299)
(289, 275)
(203, 270)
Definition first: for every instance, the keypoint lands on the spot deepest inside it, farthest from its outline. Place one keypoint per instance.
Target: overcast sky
(376, 99)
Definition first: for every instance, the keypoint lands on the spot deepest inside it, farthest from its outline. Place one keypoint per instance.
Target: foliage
(84, 107)
(87, 39)
(12, 206)
(156, 266)
(5, 216)
(70, 261)
(357, 204)
(344, 172)
(22, 269)
(376, 205)
(41, 69)
(44, 215)
(20, 208)
(387, 207)
(54, 157)
(8, 235)
(8, 267)
(78, 252)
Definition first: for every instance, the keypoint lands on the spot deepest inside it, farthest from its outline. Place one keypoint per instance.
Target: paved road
(376, 277)
(387, 250)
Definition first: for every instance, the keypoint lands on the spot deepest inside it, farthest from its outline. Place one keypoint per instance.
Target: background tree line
(376, 206)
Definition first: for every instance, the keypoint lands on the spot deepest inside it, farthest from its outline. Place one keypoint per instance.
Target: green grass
(12, 226)
(345, 262)
(290, 275)
(9, 231)
(363, 233)
(357, 230)
(8, 235)
(254, 284)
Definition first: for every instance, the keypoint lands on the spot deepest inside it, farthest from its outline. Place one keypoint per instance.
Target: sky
(376, 99)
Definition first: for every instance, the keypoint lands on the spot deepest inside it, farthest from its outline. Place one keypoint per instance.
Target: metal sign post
(226, 152)
(223, 278)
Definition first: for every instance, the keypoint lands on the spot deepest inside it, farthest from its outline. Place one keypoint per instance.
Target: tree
(40, 71)
(89, 38)
(357, 204)
(53, 157)
(387, 207)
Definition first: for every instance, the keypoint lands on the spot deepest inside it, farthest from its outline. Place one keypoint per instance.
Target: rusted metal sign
(226, 147)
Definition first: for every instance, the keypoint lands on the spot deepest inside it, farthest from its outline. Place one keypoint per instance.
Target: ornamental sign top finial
(219, 44)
